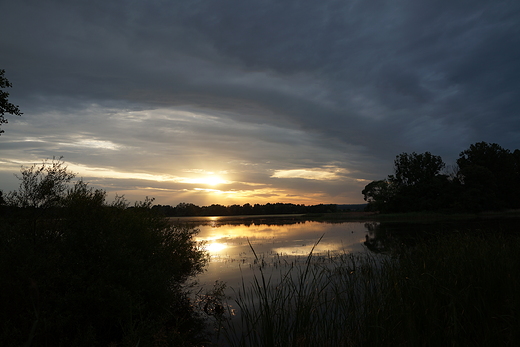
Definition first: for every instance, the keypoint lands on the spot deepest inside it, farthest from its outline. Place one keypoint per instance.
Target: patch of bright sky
(32, 139)
(310, 174)
(203, 173)
(208, 179)
(87, 143)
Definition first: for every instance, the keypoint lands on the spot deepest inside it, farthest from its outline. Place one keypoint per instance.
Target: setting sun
(212, 180)
(209, 179)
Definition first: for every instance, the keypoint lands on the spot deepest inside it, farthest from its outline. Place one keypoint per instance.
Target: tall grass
(454, 290)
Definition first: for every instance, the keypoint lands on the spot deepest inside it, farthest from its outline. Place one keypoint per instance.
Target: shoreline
(339, 217)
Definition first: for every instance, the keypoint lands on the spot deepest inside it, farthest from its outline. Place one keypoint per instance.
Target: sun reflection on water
(214, 247)
(236, 250)
(233, 241)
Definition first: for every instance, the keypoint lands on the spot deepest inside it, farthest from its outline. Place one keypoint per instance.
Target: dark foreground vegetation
(78, 271)
(486, 177)
(458, 289)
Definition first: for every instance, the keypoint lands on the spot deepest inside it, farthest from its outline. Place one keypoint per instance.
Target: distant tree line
(486, 177)
(188, 209)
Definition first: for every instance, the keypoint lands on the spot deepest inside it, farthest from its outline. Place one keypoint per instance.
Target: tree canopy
(5, 105)
(490, 175)
(415, 169)
(487, 177)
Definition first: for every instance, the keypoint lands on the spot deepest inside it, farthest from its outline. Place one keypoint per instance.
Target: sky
(237, 101)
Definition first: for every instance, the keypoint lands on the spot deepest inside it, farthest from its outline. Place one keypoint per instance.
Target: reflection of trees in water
(378, 238)
(389, 236)
(247, 222)
(384, 237)
(262, 221)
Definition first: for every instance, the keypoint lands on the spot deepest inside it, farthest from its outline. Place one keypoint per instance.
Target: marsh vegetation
(453, 289)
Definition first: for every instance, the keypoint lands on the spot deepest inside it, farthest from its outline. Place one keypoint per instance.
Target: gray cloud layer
(257, 86)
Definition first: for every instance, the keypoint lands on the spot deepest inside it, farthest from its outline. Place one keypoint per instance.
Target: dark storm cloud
(411, 64)
(283, 84)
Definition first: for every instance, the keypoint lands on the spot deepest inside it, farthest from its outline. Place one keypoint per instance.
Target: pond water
(238, 246)
(283, 240)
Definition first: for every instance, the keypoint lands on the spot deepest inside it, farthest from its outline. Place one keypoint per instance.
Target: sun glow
(208, 179)
(212, 180)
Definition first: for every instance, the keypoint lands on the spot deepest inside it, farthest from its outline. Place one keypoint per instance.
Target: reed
(458, 289)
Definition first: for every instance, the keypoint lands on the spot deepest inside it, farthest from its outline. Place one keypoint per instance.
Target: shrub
(81, 271)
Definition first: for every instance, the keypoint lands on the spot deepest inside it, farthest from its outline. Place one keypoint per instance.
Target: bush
(77, 270)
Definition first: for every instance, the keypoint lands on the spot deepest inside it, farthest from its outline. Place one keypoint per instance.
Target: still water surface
(277, 244)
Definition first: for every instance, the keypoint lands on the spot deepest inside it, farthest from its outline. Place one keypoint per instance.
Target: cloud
(311, 174)
(275, 94)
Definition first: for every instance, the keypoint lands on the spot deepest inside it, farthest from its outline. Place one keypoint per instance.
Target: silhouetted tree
(5, 105)
(417, 185)
(187, 209)
(235, 210)
(214, 210)
(418, 182)
(41, 186)
(489, 177)
(378, 194)
(247, 208)
(416, 169)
